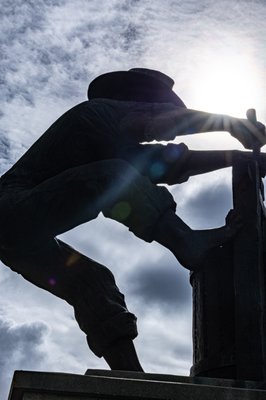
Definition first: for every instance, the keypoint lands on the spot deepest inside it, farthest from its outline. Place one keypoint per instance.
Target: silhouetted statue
(92, 160)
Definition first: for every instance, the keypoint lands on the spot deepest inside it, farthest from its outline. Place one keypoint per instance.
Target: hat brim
(132, 86)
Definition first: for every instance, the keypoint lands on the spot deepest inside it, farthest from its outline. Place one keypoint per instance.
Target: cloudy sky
(50, 50)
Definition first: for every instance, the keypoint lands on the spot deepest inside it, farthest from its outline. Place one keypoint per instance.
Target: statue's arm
(175, 163)
(200, 162)
(164, 122)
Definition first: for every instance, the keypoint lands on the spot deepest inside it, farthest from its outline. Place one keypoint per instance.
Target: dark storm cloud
(20, 347)
(205, 204)
(209, 201)
(15, 339)
(160, 284)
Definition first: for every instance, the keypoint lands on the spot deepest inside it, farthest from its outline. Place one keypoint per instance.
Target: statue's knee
(120, 167)
(10, 256)
(98, 272)
(14, 250)
(123, 172)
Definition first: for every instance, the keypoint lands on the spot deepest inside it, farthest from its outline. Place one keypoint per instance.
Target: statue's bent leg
(90, 287)
(31, 219)
(77, 196)
(101, 311)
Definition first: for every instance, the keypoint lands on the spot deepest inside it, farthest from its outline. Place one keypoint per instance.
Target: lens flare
(52, 281)
(72, 259)
(121, 211)
(157, 169)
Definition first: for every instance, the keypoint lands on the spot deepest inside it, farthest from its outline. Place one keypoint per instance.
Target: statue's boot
(122, 356)
(191, 247)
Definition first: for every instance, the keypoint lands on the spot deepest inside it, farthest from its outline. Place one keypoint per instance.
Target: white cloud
(164, 341)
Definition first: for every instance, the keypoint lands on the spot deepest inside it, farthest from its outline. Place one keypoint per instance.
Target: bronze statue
(93, 159)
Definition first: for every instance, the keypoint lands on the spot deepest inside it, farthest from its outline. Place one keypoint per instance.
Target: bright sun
(228, 86)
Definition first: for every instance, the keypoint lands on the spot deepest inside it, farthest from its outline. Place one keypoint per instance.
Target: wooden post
(249, 274)
(229, 307)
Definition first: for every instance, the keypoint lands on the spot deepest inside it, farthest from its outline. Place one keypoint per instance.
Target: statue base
(120, 385)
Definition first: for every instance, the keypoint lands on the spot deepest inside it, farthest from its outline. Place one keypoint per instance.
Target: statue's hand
(251, 134)
(247, 156)
(234, 220)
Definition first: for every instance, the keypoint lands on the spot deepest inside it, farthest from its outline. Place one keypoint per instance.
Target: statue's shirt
(96, 130)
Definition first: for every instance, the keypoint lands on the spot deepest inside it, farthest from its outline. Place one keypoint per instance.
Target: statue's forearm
(164, 122)
(200, 162)
(250, 133)
(193, 121)
(168, 124)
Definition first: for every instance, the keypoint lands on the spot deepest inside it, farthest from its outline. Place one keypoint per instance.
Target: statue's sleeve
(164, 121)
(155, 121)
(161, 163)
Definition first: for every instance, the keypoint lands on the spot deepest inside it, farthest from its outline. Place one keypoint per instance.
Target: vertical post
(229, 300)
(213, 316)
(249, 274)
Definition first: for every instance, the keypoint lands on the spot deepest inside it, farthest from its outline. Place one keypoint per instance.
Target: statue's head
(137, 84)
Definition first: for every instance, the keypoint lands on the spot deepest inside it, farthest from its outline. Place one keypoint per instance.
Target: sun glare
(227, 86)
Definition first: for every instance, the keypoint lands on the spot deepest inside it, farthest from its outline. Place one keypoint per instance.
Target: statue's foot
(194, 248)
(191, 247)
(122, 356)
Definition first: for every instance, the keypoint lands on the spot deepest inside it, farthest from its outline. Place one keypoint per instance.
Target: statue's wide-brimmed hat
(137, 84)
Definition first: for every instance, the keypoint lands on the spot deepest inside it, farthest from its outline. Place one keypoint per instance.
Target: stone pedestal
(108, 385)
